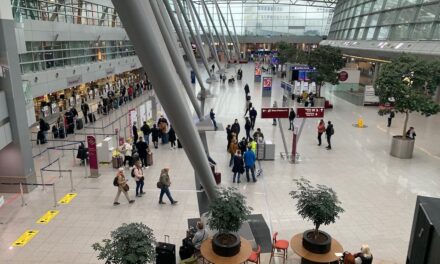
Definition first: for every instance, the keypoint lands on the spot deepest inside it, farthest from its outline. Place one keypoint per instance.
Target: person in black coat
(246, 89)
(235, 128)
(228, 136)
(242, 145)
(172, 137)
(329, 131)
(85, 109)
(146, 130)
(248, 127)
(292, 116)
(238, 167)
(155, 133)
(135, 133)
(253, 116)
(142, 149)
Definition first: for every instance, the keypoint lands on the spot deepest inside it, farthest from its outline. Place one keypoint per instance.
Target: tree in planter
(132, 243)
(288, 53)
(328, 61)
(409, 83)
(318, 204)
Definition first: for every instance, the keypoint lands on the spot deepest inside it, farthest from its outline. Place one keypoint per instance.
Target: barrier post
(22, 195)
(39, 149)
(59, 167)
(54, 195)
(71, 181)
(42, 179)
(85, 168)
(48, 155)
(73, 155)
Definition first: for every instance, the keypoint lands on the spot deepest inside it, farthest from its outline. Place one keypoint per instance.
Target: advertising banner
(257, 77)
(310, 112)
(93, 156)
(267, 83)
(275, 112)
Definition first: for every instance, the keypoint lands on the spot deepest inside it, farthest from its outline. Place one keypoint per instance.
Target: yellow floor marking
(47, 217)
(25, 238)
(67, 198)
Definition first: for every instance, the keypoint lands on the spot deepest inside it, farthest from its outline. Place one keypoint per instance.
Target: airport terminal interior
(80, 78)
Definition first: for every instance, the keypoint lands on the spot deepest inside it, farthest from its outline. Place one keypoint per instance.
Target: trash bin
(193, 77)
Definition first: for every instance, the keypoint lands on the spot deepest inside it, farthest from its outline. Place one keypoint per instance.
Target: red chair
(255, 256)
(281, 245)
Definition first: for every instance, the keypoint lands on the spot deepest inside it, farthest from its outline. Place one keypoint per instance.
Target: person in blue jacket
(249, 162)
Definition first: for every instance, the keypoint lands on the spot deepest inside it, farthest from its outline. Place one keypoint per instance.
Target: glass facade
(386, 20)
(44, 55)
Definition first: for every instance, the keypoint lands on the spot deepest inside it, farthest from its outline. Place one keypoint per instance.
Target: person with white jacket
(127, 149)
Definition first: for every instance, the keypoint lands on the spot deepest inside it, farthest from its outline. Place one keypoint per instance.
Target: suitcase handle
(165, 238)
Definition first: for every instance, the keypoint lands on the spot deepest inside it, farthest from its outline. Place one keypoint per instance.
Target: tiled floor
(377, 191)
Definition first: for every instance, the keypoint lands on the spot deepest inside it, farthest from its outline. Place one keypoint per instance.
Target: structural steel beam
(227, 28)
(138, 19)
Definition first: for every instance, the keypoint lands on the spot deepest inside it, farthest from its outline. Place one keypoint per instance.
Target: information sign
(310, 112)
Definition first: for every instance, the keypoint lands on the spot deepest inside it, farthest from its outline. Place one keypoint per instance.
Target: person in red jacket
(321, 130)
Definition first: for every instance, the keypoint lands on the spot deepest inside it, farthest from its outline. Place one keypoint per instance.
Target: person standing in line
(238, 167)
(292, 116)
(122, 187)
(235, 128)
(321, 130)
(135, 133)
(139, 178)
(232, 149)
(146, 130)
(258, 134)
(228, 136)
(275, 105)
(248, 127)
(249, 162)
(127, 150)
(411, 133)
(172, 137)
(253, 145)
(142, 151)
(329, 131)
(253, 116)
(85, 109)
(246, 90)
(242, 145)
(212, 116)
(165, 184)
(390, 117)
(248, 105)
(155, 133)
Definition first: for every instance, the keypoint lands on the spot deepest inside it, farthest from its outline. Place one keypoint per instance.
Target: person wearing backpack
(120, 182)
(390, 117)
(329, 131)
(138, 175)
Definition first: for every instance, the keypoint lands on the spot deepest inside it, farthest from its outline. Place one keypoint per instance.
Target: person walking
(85, 109)
(232, 149)
(321, 130)
(121, 183)
(248, 105)
(238, 167)
(142, 149)
(292, 116)
(247, 127)
(139, 178)
(155, 133)
(253, 116)
(164, 184)
(329, 131)
(246, 90)
(228, 136)
(127, 149)
(275, 105)
(146, 130)
(390, 117)
(172, 137)
(249, 162)
(212, 116)
(135, 133)
(213, 68)
(235, 128)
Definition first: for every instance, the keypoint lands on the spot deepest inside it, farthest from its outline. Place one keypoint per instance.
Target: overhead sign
(310, 112)
(275, 112)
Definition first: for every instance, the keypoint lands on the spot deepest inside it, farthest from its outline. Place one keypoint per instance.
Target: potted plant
(320, 205)
(327, 61)
(408, 83)
(226, 214)
(132, 243)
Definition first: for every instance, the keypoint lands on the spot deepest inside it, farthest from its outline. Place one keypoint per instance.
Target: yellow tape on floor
(67, 198)
(25, 238)
(47, 217)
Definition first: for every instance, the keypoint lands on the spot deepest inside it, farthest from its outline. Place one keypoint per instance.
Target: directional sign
(25, 238)
(310, 112)
(275, 112)
(47, 217)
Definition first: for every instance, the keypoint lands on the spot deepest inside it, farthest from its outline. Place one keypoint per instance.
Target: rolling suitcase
(150, 159)
(61, 133)
(185, 252)
(165, 252)
(179, 145)
(79, 124)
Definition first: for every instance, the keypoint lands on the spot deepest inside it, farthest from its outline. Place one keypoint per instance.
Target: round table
(310, 257)
(208, 254)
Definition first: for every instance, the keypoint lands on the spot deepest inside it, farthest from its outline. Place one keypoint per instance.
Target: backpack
(132, 173)
(332, 131)
(115, 181)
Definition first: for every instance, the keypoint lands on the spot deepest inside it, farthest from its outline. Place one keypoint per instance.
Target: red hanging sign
(275, 112)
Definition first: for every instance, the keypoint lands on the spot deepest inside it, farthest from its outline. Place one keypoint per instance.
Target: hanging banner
(93, 156)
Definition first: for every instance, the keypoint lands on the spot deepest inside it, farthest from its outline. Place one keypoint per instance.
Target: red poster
(93, 155)
(274, 112)
(310, 112)
(267, 83)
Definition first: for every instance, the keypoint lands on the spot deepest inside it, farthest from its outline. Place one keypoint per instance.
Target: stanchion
(73, 155)
(39, 150)
(85, 168)
(54, 195)
(42, 179)
(71, 181)
(48, 155)
(59, 168)
(23, 203)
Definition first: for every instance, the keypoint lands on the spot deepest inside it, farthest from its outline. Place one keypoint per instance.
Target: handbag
(159, 185)
(126, 187)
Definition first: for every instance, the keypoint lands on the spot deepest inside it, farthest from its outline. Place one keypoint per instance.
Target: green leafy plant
(328, 61)
(318, 204)
(288, 53)
(228, 211)
(409, 83)
(132, 243)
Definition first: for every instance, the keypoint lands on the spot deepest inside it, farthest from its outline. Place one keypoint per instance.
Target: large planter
(319, 102)
(226, 244)
(401, 147)
(321, 245)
